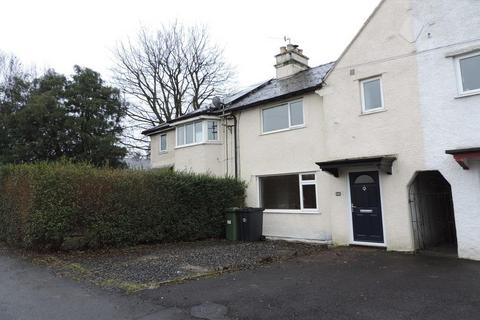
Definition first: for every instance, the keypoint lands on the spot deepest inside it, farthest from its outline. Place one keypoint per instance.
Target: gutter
(277, 98)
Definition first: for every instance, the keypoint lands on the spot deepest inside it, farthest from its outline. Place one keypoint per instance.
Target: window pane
(364, 179)
(296, 113)
(308, 177)
(372, 95)
(275, 118)
(309, 196)
(189, 133)
(470, 73)
(212, 130)
(180, 135)
(280, 192)
(163, 142)
(198, 131)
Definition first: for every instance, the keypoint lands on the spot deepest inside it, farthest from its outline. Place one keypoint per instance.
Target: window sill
(282, 130)
(366, 113)
(198, 144)
(286, 211)
(162, 152)
(467, 94)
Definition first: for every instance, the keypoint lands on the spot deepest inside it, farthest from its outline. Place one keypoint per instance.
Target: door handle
(353, 206)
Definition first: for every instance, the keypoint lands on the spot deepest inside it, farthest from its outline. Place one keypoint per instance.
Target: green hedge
(62, 205)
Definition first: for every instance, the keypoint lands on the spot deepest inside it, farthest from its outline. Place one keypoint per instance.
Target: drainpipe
(235, 152)
(218, 103)
(235, 143)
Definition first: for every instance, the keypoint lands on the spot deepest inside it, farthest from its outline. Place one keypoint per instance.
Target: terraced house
(380, 148)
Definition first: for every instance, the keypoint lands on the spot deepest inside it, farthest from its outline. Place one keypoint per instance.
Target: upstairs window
(468, 72)
(372, 95)
(189, 133)
(282, 117)
(163, 142)
(212, 129)
(197, 132)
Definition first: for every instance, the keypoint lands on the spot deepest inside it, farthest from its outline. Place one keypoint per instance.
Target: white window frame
(362, 90)
(301, 183)
(204, 139)
(160, 143)
(206, 130)
(457, 59)
(290, 126)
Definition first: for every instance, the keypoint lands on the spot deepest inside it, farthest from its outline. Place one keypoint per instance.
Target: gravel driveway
(141, 267)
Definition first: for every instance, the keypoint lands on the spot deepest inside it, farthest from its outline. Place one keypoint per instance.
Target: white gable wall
(384, 47)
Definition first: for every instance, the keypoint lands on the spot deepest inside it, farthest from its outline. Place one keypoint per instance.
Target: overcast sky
(62, 33)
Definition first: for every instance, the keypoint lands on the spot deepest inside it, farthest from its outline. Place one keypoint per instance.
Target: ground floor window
(289, 192)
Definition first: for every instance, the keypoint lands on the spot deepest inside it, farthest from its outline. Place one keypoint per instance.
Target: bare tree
(169, 73)
(14, 78)
(10, 67)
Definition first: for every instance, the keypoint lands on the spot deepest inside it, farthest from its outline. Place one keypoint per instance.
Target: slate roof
(167, 125)
(266, 91)
(245, 91)
(162, 127)
(276, 89)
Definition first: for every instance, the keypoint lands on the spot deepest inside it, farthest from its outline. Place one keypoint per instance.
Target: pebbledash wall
(384, 48)
(445, 28)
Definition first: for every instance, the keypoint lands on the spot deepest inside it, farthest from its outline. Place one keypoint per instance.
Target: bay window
(189, 136)
(196, 132)
(212, 128)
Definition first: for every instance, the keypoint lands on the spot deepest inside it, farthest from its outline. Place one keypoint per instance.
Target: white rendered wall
(165, 158)
(290, 151)
(443, 27)
(384, 48)
(206, 158)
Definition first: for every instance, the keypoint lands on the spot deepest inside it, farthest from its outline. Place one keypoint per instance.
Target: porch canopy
(462, 155)
(382, 163)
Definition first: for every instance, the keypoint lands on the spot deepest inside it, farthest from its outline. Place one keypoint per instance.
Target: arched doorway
(433, 218)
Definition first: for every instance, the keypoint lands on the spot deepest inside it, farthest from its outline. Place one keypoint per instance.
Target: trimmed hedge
(46, 205)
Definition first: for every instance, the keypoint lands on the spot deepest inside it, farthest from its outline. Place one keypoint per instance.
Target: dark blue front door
(366, 207)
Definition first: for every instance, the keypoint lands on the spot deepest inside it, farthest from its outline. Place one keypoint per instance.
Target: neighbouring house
(448, 62)
(380, 148)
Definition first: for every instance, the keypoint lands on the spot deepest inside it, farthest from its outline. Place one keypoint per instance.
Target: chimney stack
(290, 60)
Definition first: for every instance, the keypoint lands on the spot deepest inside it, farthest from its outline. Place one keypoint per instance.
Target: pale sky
(62, 33)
